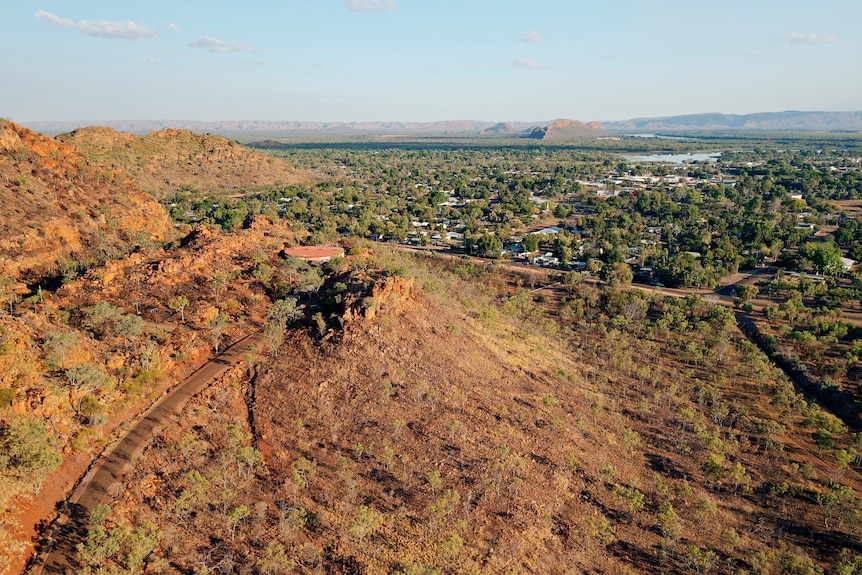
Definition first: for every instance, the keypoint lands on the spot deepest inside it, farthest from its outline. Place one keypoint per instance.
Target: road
(724, 293)
(107, 474)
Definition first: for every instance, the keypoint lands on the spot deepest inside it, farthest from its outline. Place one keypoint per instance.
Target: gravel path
(106, 475)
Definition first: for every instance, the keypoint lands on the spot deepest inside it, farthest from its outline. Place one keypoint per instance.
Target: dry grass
(465, 436)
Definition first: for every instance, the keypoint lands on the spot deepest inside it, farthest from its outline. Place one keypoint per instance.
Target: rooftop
(314, 253)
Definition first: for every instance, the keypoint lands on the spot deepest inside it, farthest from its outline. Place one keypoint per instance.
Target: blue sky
(422, 60)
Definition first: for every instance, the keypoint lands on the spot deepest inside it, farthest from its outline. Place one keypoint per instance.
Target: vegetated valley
(430, 411)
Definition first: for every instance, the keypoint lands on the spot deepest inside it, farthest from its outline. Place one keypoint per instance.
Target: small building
(318, 254)
(549, 231)
(545, 260)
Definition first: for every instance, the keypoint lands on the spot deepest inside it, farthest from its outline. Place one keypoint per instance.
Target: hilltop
(62, 211)
(169, 160)
(562, 130)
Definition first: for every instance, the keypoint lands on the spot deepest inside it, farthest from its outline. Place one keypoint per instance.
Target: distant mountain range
(560, 129)
(791, 120)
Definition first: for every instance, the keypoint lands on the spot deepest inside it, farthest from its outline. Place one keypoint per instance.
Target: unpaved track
(106, 475)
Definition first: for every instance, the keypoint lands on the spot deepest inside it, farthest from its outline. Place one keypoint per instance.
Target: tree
(530, 243)
(219, 283)
(434, 480)
(275, 560)
(714, 465)
(8, 295)
(58, 345)
(129, 327)
(489, 246)
(824, 257)
(365, 521)
(138, 543)
(179, 303)
(668, 521)
(745, 293)
(216, 326)
(738, 475)
(631, 439)
(283, 310)
(309, 281)
(823, 439)
(618, 274)
(26, 448)
(83, 379)
(101, 317)
(100, 545)
(273, 335)
(236, 515)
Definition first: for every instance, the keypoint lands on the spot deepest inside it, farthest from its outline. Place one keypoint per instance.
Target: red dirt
(34, 514)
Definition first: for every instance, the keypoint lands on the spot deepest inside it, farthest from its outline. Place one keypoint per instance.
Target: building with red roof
(315, 253)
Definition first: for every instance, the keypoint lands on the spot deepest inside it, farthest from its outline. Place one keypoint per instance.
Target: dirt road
(106, 476)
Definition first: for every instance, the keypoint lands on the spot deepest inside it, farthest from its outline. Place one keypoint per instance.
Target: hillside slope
(446, 427)
(61, 210)
(166, 161)
(77, 363)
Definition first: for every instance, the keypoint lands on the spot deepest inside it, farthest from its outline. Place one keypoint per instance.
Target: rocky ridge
(60, 207)
(171, 160)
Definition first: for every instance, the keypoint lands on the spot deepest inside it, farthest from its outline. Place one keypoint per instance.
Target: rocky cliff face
(563, 129)
(387, 295)
(62, 210)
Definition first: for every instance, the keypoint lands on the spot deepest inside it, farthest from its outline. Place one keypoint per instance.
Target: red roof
(314, 252)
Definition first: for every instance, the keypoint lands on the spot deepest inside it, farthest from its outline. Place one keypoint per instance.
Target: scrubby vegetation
(463, 427)
(438, 412)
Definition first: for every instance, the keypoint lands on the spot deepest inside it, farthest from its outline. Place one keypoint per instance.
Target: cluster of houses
(451, 233)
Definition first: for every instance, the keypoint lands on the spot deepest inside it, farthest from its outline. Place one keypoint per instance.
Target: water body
(678, 159)
(660, 136)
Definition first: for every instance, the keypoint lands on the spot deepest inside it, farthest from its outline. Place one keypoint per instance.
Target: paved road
(107, 475)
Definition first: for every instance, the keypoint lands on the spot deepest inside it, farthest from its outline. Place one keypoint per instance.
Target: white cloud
(797, 38)
(173, 27)
(531, 36)
(219, 46)
(370, 5)
(152, 61)
(100, 28)
(321, 64)
(527, 65)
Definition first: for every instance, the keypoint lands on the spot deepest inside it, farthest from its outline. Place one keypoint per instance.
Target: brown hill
(166, 161)
(117, 330)
(563, 129)
(446, 432)
(60, 210)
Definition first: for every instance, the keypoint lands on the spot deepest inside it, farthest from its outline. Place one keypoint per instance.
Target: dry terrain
(170, 160)
(61, 212)
(438, 427)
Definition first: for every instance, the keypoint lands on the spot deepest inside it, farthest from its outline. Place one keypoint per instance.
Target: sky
(425, 60)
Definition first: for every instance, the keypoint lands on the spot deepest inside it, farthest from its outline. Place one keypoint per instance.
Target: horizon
(400, 61)
(538, 123)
